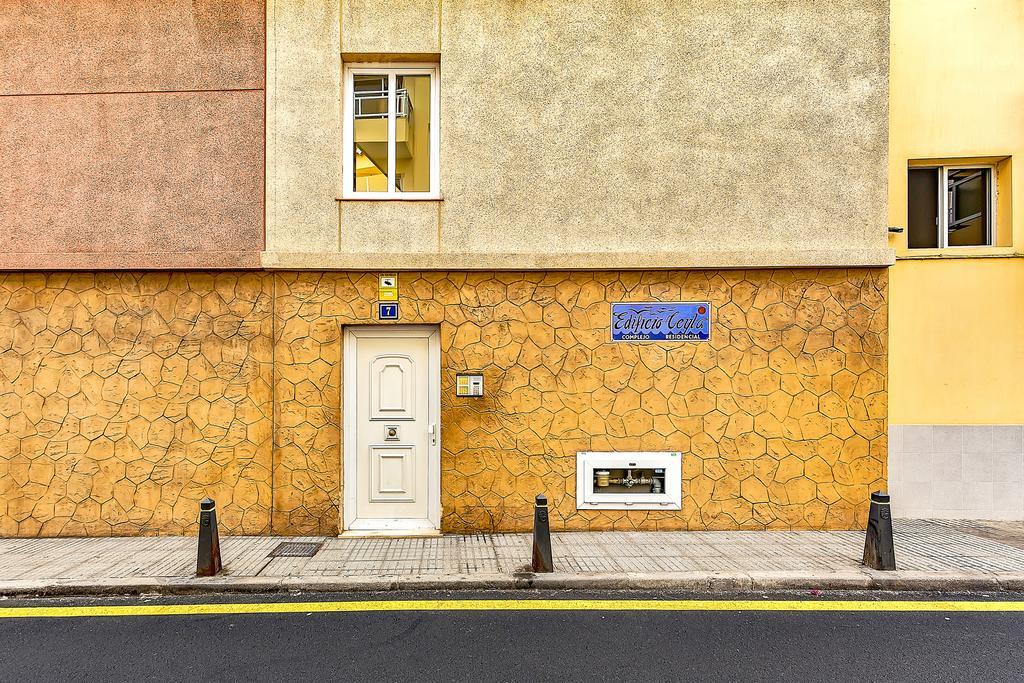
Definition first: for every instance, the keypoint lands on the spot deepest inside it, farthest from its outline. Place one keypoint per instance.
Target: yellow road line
(515, 605)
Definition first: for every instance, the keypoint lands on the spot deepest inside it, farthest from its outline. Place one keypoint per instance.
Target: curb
(700, 582)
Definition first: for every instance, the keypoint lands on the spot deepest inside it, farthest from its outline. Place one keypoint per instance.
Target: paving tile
(977, 438)
(895, 440)
(917, 439)
(926, 545)
(1008, 439)
(1008, 498)
(978, 467)
(947, 439)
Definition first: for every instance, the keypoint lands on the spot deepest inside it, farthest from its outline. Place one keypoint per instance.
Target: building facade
(354, 266)
(957, 327)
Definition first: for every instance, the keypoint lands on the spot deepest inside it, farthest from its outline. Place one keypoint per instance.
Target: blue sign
(656, 321)
(387, 311)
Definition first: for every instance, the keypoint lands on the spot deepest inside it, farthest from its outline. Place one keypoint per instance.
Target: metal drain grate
(294, 549)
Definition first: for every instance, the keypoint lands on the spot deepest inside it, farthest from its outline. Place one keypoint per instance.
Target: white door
(392, 454)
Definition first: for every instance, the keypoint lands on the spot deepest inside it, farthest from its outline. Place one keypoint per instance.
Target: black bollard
(208, 562)
(541, 537)
(879, 552)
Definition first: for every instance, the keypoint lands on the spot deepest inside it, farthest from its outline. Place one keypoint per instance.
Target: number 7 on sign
(387, 311)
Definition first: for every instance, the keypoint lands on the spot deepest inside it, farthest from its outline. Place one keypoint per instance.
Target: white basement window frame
(639, 494)
(944, 216)
(391, 72)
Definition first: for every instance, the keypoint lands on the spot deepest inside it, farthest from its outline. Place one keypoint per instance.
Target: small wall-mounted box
(629, 481)
(469, 384)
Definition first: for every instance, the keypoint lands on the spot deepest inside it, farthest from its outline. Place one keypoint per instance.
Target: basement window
(628, 481)
(391, 132)
(950, 206)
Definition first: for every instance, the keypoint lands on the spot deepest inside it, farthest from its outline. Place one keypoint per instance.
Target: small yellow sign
(387, 287)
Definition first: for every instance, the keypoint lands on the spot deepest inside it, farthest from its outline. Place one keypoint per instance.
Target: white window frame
(348, 130)
(943, 226)
(588, 498)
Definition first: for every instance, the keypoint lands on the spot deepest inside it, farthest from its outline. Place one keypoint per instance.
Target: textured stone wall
(781, 417)
(125, 398)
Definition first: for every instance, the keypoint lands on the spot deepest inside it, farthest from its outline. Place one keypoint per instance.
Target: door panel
(391, 474)
(392, 388)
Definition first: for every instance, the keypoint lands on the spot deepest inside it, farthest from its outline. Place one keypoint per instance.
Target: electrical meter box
(629, 481)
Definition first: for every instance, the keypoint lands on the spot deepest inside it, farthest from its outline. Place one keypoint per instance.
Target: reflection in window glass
(412, 133)
(968, 198)
(370, 133)
(923, 204)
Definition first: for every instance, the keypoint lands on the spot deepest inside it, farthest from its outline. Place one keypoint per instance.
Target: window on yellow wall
(391, 132)
(950, 206)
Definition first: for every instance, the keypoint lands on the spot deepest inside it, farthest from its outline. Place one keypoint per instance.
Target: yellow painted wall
(957, 351)
(957, 326)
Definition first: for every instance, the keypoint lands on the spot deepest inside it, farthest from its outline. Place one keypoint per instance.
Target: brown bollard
(541, 537)
(879, 552)
(208, 561)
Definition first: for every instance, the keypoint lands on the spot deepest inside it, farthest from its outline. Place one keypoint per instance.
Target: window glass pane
(412, 134)
(370, 133)
(968, 197)
(923, 202)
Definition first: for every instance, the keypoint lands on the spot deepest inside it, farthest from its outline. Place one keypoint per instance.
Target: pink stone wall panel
(130, 45)
(167, 173)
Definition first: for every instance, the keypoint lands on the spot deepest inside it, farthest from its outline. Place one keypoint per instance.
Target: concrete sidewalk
(932, 555)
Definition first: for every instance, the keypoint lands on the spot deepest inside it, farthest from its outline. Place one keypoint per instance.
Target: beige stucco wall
(303, 124)
(667, 133)
(391, 26)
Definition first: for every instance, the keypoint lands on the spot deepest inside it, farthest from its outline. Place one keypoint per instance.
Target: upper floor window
(950, 206)
(391, 132)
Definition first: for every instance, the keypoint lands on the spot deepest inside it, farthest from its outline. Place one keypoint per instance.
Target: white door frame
(350, 458)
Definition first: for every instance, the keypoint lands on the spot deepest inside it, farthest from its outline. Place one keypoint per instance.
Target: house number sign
(661, 321)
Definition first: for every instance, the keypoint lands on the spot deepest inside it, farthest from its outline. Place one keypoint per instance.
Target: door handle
(432, 430)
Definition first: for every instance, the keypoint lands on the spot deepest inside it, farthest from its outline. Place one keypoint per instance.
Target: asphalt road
(513, 645)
